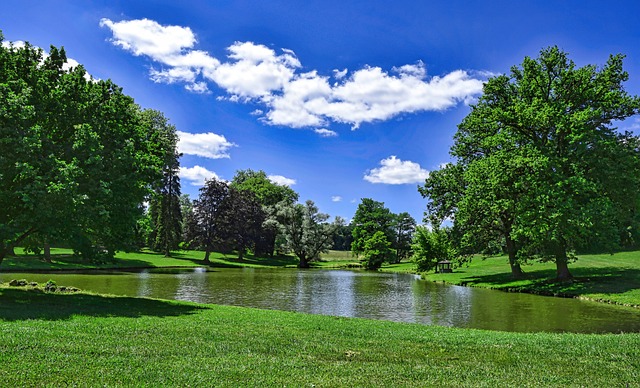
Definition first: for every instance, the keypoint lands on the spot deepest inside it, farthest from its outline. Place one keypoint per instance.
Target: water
(395, 297)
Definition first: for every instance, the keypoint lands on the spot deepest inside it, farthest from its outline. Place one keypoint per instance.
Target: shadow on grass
(603, 280)
(66, 263)
(235, 262)
(22, 304)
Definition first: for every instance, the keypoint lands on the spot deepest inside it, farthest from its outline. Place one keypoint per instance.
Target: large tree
(403, 226)
(371, 216)
(164, 206)
(76, 159)
(210, 211)
(269, 195)
(541, 147)
(308, 232)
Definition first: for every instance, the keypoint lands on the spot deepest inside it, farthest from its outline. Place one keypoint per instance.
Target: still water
(395, 297)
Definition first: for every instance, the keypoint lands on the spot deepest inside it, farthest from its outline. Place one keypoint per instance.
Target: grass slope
(605, 278)
(95, 340)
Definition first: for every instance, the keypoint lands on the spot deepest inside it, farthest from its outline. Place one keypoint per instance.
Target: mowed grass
(601, 277)
(95, 340)
(63, 259)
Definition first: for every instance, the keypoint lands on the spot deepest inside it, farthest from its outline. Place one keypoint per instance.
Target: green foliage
(370, 217)
(307, 232)
(403, 227)
(431, 246)
(540, 166)
(76, 157)
(269, 195)
(377, 250)
(226, 218)
(164, 206)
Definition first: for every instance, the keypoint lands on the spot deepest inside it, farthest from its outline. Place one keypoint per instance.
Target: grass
(602, 277)
(63, 259)
(97, 340)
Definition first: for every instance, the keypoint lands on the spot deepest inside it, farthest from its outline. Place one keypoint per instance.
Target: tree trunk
(516, 271)
(562, 268)
(47, 252)
(207, 253)
(304, 263)
(11, 251)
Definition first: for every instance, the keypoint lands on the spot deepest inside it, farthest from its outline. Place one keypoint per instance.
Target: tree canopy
(76, 158)
(539, 163)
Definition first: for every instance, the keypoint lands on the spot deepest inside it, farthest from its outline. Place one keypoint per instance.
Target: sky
(340, 100)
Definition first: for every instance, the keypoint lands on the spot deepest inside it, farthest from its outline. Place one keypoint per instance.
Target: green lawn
(63, 259)
(93, 340)
(603, 277)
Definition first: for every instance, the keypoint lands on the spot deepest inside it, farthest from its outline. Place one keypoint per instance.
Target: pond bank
(613, 279)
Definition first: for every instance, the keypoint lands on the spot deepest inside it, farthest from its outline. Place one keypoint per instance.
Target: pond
(375, 295)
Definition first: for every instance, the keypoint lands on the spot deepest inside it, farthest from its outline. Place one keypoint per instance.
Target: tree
(403, 227)
(377, 249)
(540, 145)
(370, 217)
(242, 220)
(307, 231)
(431, 246)
(269, 195)
(76, 159)
(189, 225)
(165, 209)
(209, 210)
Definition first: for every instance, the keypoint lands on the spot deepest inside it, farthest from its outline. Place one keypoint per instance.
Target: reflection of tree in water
(439, 304)
(325, 292)
(192, 286)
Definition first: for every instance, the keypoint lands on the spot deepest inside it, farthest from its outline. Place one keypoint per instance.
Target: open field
(95, 340)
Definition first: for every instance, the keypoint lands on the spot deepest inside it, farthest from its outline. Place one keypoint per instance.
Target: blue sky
(342, 100)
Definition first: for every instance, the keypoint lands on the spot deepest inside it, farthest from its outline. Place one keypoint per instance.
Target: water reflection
(396, 297)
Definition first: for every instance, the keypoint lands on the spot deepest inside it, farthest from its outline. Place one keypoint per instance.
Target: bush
(377, 249)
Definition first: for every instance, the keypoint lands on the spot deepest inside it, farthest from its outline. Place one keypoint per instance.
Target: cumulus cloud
(336, 198)
(281, 180)
(197, 175)
(254, 73)
(325, 132)
(208, 145)
(394, 171)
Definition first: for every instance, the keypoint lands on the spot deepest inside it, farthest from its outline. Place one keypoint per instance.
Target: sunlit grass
(94, 340)
(602, 277)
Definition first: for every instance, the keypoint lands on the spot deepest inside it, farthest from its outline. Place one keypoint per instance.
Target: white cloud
(255, 70)
(197, 175)
(394, 171)
(257, 74)
(208, 145)
(339, 74)
(147, 37)
(325, 132)
(280, 180)
(336, 198)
